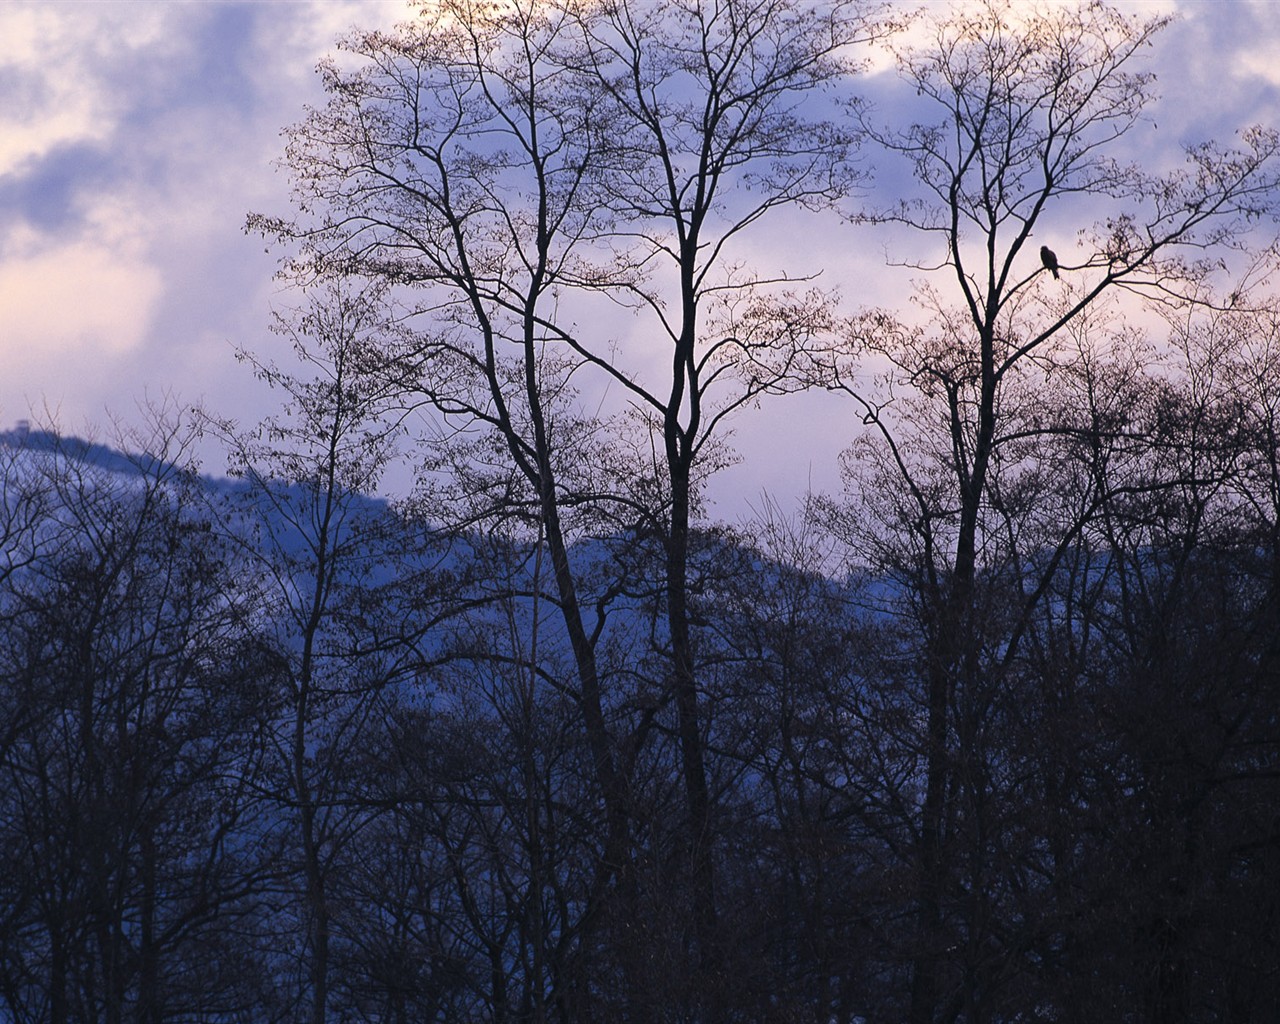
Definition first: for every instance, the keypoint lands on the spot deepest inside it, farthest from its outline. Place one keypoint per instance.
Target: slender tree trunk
(317, 898)
(928, 938)
(693, 760)
(58, 971)
(317, 905)
(313, 871)
(149, 1008)
(951, 660)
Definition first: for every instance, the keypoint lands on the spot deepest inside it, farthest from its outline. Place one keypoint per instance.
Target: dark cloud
(45, 191)
(21, 90)
(221, 64)
(211, 68)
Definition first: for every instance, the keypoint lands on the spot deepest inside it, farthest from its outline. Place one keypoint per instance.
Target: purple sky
(135, 137)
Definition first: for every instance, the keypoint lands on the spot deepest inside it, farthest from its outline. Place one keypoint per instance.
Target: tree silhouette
(1029, 103)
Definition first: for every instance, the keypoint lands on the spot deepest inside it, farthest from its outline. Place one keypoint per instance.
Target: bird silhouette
(1049, 260)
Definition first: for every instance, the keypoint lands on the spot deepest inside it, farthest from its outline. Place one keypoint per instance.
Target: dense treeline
(991, 736)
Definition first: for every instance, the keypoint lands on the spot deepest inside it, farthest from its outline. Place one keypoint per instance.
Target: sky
(136, 137)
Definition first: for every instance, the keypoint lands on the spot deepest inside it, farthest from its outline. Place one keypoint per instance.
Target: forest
(989, 735)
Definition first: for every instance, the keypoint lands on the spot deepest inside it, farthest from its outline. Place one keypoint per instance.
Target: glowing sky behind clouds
(135, 138)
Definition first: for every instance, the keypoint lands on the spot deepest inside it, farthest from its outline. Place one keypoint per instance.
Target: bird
(1049, 260)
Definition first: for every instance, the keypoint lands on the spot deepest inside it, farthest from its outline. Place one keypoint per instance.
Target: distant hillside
(22, 436)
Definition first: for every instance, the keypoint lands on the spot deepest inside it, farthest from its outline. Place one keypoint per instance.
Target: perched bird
(1049, 260)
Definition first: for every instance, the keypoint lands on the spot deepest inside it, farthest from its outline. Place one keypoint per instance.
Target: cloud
(103, 302)
(136, 140)
(71, 313)
(54, 66)
(93, 291)
(47, 195)
(1259, 54)
(137, 137)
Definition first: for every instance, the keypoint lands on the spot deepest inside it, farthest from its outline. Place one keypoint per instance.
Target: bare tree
(510, 172)
(451, 162)
(133, 696)
(1024, 112)
(705, 116)
(320, 548)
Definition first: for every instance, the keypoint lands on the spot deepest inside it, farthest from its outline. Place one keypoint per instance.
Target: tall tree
(322, 550)
(708, 137)
(1024, 115)
(506, 169)
(450, 161)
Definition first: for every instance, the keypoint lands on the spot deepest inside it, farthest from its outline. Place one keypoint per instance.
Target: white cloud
(93, 292)
(1262, 61)
(140, 278)
(293, 40)
(56, 60)
(102, 303)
